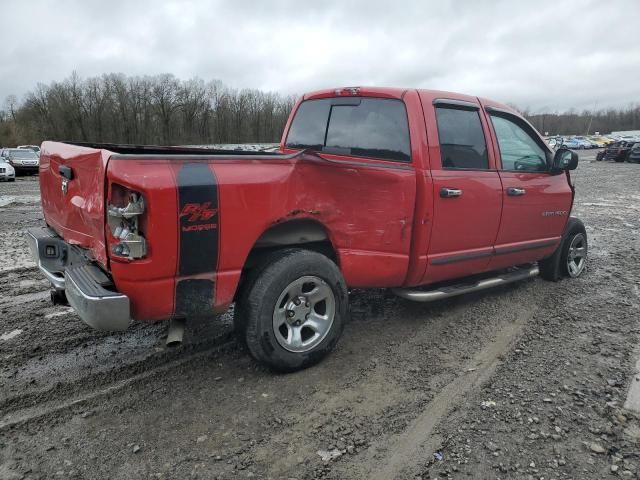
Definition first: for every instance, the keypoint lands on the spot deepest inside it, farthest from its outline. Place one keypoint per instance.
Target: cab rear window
(361, 127)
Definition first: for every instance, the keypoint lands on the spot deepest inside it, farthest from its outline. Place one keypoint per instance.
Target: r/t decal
(198, 212)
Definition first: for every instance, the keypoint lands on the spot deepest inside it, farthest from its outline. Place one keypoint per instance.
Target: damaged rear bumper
(88, 289)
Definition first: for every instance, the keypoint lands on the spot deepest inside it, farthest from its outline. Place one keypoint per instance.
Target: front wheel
(570, 258)
(574, 256)
(292, 309)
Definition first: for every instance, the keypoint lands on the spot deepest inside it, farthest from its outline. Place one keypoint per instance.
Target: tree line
(165, 110)
(161, 109)
(586, 122)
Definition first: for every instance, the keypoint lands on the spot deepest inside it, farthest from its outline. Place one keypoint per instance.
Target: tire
(277, 317)
(559, 265)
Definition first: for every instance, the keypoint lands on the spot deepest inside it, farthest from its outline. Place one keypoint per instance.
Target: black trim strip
(461, 257)
(520, 248)
(461, 104)
(229, 155)
(496, 251)
(489, 108)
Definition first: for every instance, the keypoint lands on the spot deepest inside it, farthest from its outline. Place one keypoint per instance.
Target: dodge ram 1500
(428, 193)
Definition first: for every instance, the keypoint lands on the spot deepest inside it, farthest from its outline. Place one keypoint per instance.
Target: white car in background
(7, 172)
(23, 160)
(34, 148)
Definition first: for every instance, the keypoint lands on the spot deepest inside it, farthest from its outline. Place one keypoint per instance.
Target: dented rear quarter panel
(367, 211)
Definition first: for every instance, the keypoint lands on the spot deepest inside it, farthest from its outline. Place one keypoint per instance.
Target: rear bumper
(88, 290)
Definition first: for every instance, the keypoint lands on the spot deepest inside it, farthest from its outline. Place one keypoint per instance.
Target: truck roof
(398, 93)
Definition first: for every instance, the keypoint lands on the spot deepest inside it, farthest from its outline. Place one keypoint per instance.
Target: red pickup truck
(429, 193)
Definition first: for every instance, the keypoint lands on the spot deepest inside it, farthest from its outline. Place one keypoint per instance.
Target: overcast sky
(544, 55)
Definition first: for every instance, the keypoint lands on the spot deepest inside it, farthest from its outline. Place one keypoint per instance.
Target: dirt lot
(526, 381)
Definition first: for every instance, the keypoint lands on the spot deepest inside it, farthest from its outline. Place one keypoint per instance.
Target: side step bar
(453, 290)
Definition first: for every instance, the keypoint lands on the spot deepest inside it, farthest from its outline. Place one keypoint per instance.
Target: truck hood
(75, 211)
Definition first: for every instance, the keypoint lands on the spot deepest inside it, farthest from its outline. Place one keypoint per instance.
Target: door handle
(65, 171)
(450, 192)
(515, 192)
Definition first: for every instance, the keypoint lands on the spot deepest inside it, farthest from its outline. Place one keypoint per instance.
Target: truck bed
(126, 149)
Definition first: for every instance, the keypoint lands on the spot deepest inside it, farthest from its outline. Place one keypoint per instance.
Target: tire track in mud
(96, 366)
(43, 409)
(417, 440)
(56, 357)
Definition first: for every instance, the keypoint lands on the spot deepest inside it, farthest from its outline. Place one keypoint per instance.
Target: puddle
(19, 199)
(633, 395)
(66, 311)
(10, 335)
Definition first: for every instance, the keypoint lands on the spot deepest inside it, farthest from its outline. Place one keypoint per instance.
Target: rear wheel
(292, 309)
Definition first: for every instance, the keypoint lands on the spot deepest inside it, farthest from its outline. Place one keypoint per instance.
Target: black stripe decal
(199, 238)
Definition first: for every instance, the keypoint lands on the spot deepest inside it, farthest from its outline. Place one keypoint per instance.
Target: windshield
(25, 154)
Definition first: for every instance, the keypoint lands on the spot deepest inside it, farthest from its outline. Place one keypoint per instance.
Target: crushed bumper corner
(82, 282)
(98, 308)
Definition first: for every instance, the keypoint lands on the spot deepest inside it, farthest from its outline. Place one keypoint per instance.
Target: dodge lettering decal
(558, 213)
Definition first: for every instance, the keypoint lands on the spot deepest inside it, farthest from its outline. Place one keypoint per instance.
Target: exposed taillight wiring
(124, 211)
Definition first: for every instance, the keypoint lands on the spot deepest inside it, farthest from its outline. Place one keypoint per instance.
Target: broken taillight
(124, 212)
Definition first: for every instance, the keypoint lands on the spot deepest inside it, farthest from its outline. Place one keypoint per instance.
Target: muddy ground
(526, 381)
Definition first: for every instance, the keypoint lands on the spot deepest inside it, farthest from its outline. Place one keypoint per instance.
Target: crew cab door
(536, 203)
(466, 189)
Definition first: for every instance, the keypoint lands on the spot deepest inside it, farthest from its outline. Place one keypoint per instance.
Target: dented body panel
(366, 211)
(386, 221)
(74, 208)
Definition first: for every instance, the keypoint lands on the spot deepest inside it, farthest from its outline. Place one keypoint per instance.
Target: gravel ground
(525, 381)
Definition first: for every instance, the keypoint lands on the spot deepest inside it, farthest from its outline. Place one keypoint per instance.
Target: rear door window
(462, 142)
(361, 127)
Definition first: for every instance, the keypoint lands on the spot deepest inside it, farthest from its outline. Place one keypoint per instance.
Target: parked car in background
(584, 141)
(572, 143)
(618, 151)
(7, 172)
(634, 154)
(34, 148)
(21, 159)
(600, 140)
